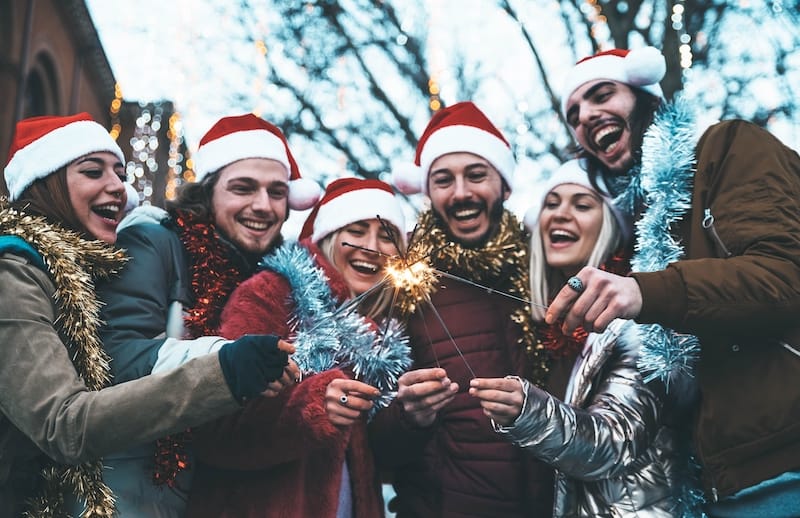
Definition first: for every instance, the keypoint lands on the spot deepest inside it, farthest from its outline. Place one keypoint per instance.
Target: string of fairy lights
(598, 29)
(143, 166)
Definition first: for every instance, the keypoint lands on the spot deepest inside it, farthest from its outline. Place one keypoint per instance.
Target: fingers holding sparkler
(424, 392)
(502, 399)
(346, 400)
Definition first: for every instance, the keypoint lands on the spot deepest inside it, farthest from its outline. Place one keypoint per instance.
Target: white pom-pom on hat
(303, 193)
(408, 178)
(645, 66)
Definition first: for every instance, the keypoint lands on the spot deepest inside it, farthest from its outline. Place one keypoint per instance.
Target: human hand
(347, 399)
(250, 363)
(424, 392)
(500, 398)
(291, 376)
(605, 296)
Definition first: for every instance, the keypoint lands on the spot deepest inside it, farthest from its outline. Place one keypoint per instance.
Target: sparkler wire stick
(446, 330)
(487, 288)
(428, 334)
(365, 249)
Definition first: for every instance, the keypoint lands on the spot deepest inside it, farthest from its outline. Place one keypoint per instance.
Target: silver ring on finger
(576, 284)
(343, 399)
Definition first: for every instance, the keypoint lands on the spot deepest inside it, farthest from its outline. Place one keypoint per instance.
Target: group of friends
(630, 349)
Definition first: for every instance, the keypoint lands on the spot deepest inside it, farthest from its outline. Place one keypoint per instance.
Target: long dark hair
(644, 110)
(195, 198)
(49, 197)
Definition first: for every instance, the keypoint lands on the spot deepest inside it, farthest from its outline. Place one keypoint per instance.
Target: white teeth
(365, 265)
(255, 225)
(603, 132)
(110, 208)
(467, 213)
(559, 233)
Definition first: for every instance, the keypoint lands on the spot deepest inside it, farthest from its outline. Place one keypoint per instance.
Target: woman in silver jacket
(612, 439)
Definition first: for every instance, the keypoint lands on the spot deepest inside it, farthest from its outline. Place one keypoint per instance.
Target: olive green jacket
(45, 408)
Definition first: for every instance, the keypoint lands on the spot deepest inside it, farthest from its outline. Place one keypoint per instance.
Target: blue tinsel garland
(665, 187)
(326, 339)
(664, 184)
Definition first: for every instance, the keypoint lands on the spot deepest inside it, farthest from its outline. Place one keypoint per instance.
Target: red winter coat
(459, 467)
(280, 457)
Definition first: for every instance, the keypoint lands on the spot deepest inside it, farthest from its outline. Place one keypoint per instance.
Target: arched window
(41, 89)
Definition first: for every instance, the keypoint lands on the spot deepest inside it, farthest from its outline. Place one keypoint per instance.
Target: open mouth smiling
(562, 236)
(108, 211)
(365, 267)
(255, 225)
(606, 138)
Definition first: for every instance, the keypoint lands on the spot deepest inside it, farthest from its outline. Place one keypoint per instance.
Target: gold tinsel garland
(73, 264)
(502, 263)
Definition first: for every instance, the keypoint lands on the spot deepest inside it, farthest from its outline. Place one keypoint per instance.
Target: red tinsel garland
(214, 276)
(553, 338)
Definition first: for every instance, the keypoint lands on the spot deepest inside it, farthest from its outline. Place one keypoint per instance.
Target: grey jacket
(614, 453)
(46, 409)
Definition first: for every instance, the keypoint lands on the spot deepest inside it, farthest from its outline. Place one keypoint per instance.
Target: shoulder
(143, 214)
(23, 281)
(264, 284)
(10, 244)
(735, 132)
(150, 234)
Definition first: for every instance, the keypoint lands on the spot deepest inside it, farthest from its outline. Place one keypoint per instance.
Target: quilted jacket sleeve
(602, 438)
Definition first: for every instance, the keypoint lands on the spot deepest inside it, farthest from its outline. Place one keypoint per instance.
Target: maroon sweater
(459, 467)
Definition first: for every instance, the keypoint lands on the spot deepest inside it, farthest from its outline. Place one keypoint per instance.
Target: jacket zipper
(708, 225)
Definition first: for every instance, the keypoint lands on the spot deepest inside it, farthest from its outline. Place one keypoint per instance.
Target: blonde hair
(545, 278)
(376, 306)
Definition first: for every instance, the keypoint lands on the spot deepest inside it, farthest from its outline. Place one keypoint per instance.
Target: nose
(562, 212)
(462, 190)
(262, 201)
(371, 242)
(115, 185)
(588, 113)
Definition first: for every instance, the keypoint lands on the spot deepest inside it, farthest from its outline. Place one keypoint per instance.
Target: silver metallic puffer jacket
(613, 454)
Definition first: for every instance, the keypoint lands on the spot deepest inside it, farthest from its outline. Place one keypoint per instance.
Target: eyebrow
(360, 223)
(253, 182)
(587, 94)
(96, 160)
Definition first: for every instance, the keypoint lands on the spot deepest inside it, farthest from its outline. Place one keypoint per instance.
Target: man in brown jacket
(717, 270)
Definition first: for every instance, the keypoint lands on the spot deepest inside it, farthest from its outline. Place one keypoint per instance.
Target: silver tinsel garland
(665, 187)
(328, 337)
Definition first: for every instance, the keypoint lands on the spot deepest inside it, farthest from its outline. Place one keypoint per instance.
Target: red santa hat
(247, 136)
(43, 145)
(574, 172)
(641, 68)
(348, 200)
(461, 127)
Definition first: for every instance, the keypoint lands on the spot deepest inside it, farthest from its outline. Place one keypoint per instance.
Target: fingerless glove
(251, 363)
